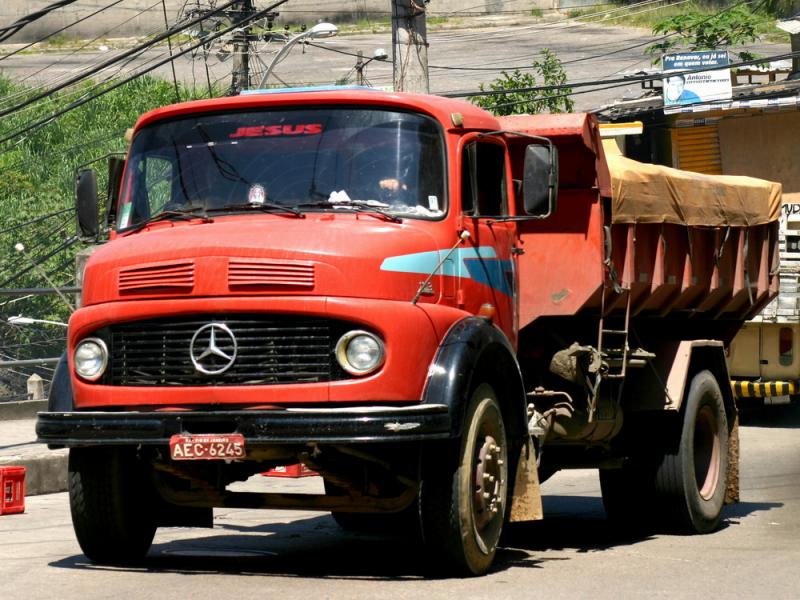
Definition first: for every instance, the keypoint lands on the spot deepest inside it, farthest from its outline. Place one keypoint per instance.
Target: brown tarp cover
(645, 193)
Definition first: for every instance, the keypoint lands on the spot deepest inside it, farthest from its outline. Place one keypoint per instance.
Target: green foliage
(537, 12)
(37, 172)
(697, 31)
(551, 72)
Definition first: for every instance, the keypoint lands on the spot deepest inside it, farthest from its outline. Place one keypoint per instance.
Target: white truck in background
(764, 357)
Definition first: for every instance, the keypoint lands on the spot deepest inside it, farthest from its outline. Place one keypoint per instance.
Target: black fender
(475, 351)
(59, 398)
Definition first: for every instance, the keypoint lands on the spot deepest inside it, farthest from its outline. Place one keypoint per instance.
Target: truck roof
(435, 106)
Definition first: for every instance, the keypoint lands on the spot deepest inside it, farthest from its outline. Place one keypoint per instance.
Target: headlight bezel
(344, 343)
(103, 365)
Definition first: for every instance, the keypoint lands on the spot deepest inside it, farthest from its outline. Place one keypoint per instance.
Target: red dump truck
(432, 308)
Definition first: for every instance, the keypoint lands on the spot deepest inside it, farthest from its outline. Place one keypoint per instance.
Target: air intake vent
(174, 275)
(244, 273)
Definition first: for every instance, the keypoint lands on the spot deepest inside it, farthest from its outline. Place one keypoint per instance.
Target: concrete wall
(141, 17)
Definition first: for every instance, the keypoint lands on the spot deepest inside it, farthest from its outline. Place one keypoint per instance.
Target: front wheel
(464, 493)
(111, 500)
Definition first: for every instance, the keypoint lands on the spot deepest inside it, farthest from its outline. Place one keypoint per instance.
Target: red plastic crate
(290, 471)
(12, 490)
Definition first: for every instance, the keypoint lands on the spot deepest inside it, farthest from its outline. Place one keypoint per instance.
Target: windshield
(313, 159)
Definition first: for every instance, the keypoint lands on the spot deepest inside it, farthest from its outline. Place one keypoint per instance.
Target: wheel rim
(706, 452)
(489, 483)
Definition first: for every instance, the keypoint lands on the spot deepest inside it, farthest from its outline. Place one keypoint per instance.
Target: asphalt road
(460, 59)
(573, 553)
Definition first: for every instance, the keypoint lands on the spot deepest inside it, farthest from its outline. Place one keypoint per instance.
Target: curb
(45, 470)
(24, 409)
(45, 473)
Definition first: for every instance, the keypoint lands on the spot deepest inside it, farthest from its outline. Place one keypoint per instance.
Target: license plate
(206, 446)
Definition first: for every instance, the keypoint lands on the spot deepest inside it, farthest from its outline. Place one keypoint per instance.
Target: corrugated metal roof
(767, 96)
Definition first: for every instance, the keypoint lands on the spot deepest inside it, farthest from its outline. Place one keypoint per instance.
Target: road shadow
(317, 548)
(785, 416)
(310, 548)
(732, 512)
(576, 523)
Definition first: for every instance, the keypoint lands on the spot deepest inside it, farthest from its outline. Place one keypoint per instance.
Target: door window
(483, 180)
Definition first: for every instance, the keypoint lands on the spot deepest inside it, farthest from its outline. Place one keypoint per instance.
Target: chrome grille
(272, 349)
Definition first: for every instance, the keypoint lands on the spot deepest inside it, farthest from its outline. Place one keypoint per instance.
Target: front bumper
(262, 427)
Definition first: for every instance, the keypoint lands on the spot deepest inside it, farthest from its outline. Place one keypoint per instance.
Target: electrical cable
(33, 245)
(90, 42)
(621, 81)
(567, 23)
(9, 30)
(89, 70)
(36, 220)
(255, 16)
(136, 49)
(63, 246)
(60, 30)
(598, 46)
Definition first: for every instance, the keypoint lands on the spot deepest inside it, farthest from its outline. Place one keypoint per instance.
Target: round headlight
(91, 358)
(359, 352)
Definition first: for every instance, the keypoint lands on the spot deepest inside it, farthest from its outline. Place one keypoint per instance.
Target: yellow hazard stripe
(758, 389)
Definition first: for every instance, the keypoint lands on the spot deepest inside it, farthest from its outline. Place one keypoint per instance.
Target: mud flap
(526, 505)
(732, 488)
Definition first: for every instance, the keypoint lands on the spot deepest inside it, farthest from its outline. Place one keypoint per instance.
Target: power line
(212, 36)
(136, 49)
(9, 30)
(36, 220)
(64, 28)
(598, 46)
(87, 44)
(622, 81)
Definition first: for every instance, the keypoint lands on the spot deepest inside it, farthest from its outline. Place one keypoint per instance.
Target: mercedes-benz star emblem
(217, 351)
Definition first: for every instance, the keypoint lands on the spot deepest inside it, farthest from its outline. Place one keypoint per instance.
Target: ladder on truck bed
(618, 356)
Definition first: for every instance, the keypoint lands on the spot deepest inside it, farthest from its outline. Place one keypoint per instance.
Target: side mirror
(540, 187)
(86, 202)
(116, 165)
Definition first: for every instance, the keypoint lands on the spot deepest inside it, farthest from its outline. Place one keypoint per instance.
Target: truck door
(487, 260)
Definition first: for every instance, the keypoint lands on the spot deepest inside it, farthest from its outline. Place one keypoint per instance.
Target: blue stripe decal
(479, 264)
(494, 273)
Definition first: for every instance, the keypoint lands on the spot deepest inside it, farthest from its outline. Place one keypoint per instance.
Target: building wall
(141, 21)
(763, 145)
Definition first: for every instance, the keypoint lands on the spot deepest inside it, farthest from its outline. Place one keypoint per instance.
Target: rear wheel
(692, 480)
(111, 500)
(685, 482)
(464, 492)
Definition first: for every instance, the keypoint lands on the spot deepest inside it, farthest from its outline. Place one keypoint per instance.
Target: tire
(111, 500)
(683, 485)
(691, 482)
(464, 491)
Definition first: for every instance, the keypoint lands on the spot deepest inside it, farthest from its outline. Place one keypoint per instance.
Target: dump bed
(685, 244)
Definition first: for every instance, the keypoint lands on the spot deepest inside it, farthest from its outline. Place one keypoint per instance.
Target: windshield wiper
(266, 207)
(186, 214)
(361, 206)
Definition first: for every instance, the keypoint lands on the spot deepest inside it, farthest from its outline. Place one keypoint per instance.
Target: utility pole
(240, 79)
(410, 41)
(360, 68)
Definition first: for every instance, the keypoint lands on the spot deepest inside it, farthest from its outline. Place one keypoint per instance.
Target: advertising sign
(686, 91)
